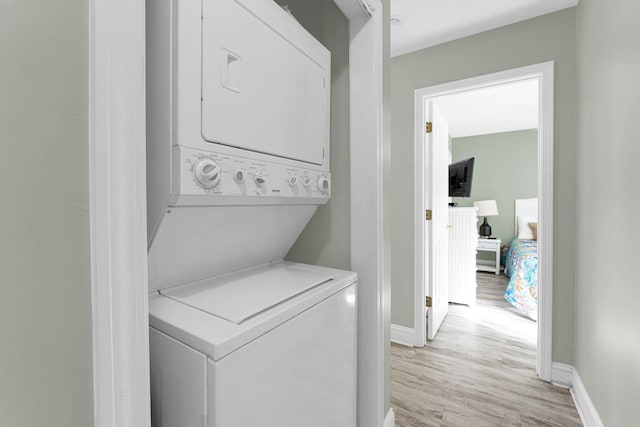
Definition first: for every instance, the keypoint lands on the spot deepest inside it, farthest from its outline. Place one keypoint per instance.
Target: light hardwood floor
(479, 371)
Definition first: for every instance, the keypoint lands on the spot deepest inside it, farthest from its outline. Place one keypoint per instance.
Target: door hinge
(429, 127)
(428, 302)
(428, 215)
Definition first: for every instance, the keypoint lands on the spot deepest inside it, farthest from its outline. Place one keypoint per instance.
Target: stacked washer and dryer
(238, 98)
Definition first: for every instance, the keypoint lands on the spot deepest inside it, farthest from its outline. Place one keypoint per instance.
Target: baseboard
(403, 335)
(567, 376)
(390, 419)
(588, 412)
(562, 375)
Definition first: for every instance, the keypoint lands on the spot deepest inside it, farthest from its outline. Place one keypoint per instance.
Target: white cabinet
(463, 241)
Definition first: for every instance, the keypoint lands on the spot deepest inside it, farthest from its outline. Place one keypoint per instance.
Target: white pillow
(524, 231)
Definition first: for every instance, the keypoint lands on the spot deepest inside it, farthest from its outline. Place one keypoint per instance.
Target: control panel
(214, 174)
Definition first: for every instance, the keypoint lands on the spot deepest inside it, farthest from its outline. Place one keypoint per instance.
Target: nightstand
(489, 245)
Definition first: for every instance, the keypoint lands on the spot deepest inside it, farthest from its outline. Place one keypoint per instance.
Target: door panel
(437, 238)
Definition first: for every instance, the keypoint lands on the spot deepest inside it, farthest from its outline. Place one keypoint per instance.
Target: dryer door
(265, 81)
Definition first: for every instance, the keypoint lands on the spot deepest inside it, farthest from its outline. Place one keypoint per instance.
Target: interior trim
(544, 72)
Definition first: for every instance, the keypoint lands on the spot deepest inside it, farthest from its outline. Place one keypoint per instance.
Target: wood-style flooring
(479, 371)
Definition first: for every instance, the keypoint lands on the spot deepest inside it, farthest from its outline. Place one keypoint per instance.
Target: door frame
(544, 72)
(117, 189)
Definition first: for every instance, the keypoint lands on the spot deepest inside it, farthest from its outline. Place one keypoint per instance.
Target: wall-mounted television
(460, 178)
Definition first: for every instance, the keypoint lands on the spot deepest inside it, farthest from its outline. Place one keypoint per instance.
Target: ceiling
(505, 108)
(425, 23)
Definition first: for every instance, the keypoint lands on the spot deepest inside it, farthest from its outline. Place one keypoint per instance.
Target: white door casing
(366, 204)
(437, 234)
(544, 72)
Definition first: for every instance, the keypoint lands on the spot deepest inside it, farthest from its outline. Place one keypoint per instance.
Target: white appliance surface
(217, 337)
(268, 96)
(273, 130)
(196, 243)
(289, 365)
(242, 296)
(178, 396)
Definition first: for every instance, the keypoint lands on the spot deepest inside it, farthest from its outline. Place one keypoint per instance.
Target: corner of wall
(566, 376)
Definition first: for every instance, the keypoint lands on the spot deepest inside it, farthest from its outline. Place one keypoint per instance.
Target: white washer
(269, 346)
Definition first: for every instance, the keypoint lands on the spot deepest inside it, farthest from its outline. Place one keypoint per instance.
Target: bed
(521, 264)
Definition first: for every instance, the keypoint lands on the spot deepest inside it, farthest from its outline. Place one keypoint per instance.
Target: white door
(437, 238)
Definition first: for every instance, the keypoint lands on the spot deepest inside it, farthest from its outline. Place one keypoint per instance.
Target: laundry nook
(238, 161)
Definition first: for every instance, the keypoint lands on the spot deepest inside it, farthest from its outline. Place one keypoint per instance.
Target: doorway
(426, 258)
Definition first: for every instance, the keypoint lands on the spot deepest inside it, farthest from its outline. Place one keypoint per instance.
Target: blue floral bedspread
(522, 269)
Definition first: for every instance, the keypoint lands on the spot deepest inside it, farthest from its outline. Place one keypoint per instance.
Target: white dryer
(238, 97)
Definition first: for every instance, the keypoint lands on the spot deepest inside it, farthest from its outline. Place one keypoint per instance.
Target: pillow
(524, 231)
(534, 228)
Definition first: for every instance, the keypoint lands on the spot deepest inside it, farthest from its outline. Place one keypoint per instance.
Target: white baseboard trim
(567, 376)
(390, 419)
(588, 412)
(562, 375)
(403, 335)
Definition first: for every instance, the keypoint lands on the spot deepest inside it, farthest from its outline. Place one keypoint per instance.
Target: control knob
(306, 181)
(207, 173)
(293, 180)
(323, 184)
(238, 175)
(259, 179)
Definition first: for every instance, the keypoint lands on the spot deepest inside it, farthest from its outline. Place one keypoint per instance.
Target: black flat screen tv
(460, 178)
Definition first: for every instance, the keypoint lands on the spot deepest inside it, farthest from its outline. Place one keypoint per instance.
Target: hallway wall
(607, 338)
(550, 37)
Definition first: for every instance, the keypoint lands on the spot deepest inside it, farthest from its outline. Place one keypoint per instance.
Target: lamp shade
(486, 207)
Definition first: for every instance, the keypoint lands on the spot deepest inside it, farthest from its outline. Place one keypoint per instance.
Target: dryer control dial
(259, 179)
(323, 184)
(293, 181)
(306, 181)
(238, 175)
(207, 173)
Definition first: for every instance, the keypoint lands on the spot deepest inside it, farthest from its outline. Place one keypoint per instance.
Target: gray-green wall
(326, 239)
(607, 338)
(505, 169)
(547, 38)
(45, 283)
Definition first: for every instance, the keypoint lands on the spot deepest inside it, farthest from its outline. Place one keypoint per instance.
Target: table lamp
(486, 208)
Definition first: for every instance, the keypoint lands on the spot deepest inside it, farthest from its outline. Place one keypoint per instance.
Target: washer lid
(237, 298)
